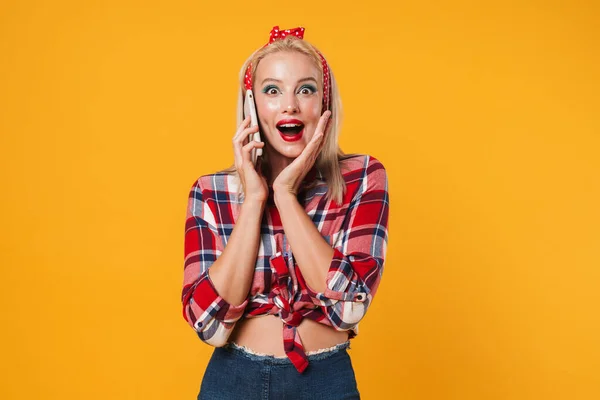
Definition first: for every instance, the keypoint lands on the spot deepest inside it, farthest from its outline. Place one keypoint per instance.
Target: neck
(277, 163)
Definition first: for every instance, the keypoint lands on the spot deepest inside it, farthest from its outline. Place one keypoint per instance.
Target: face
(288, 93)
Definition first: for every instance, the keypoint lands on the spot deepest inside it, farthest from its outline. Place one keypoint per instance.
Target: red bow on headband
(277, 34)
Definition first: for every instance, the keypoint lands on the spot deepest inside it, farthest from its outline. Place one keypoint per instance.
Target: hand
(289, 180)
(253, 182)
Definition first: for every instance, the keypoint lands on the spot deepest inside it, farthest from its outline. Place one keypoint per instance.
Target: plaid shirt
(356, 229)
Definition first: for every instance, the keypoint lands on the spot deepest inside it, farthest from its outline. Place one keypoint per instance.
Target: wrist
(283, 196)
(254, 202)
(283, 191)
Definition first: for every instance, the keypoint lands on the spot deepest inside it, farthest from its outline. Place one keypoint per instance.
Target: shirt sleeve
(204, 309)
(357, 265)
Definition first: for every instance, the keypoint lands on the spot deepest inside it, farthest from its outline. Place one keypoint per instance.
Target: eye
(308, 89)
(270, 89)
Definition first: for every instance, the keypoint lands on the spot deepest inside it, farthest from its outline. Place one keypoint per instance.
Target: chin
(289, 150)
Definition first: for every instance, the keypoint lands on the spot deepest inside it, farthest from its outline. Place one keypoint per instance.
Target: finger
(310, 149)
(316, 141)
(247, 150)
(241, 135)
(321, 145)
(328, 125)
(323, 121)
(243, 132)
(238, 141)
(242, 126)
(236, 151)
(246, 135)
(327, 116)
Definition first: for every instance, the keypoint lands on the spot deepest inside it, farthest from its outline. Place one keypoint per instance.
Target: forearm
(311, 251)
(233, 271)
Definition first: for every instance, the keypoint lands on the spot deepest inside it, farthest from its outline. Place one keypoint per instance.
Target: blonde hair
(328, 161)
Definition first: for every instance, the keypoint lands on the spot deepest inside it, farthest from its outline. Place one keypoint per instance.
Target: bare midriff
(264, 335)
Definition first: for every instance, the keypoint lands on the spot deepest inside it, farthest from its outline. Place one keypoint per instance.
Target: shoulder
(215, 190)
(363, 167)
(360, 162)
(215, 182)
(210, 192)
(364, 175)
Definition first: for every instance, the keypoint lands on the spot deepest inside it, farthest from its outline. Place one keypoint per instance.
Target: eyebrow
(279, 81)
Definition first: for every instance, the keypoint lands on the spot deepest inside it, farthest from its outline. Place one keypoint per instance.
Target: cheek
(272, 106)
(312, 107)
(268, 106)
(265, 109)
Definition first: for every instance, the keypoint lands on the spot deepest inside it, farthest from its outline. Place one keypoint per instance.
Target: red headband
(299, 33)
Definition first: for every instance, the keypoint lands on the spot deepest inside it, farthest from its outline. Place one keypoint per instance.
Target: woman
(281, 319)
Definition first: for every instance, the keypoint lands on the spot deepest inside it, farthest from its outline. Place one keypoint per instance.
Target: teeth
(289, 125)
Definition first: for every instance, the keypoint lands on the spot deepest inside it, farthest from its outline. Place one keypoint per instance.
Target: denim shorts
(234, 373)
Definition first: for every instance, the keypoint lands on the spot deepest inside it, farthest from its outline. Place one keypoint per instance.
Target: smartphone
(250, 109)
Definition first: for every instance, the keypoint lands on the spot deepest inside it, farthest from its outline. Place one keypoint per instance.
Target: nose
(290, 103)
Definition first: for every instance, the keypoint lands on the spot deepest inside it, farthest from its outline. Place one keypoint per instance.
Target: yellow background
(485, 114)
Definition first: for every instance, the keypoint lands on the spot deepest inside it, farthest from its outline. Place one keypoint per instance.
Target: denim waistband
(312, 356)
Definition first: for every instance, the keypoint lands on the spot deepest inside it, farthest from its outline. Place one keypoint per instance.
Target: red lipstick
(290, 121)
(290, 129)
(292, 138)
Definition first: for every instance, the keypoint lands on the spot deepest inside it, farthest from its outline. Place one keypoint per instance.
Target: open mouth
(290, 129)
